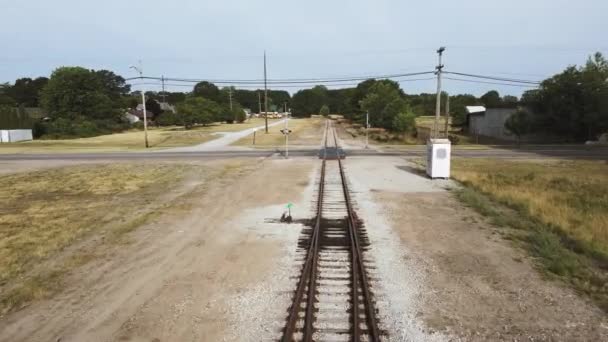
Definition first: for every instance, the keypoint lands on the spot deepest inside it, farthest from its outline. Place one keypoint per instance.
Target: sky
(226, 39)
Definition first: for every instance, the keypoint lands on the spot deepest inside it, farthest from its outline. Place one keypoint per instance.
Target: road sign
(289, 205)
(285, 131)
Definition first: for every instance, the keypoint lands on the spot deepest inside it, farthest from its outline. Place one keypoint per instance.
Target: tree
(280, 97)
(5, 99)
(574, 103)
(241, 116)
(491, 99)
(26, 91)
(153, 106)
(458, 105)
(383, 102)
(113, 85)
(404, 121)
(324, 110)
(198, 110)
(232, 115)
(167, 118)
(175, 97)
(362, 90)
(519, 124)
(207, 90)
(339, 100)
(509, 101)
(308, 101)
(77, 93)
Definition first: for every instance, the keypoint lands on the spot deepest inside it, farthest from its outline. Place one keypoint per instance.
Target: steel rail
(308, 270)
(370, 314)
(308, 279)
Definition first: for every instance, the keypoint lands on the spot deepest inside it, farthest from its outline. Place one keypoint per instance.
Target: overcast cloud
(529, 39)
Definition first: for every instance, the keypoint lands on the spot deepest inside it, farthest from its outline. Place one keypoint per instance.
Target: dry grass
(130, 141)
(42, 213)
(570, 195)
(558, 211)
(304, 132)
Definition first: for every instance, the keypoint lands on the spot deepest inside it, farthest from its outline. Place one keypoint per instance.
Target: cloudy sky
(225, 39)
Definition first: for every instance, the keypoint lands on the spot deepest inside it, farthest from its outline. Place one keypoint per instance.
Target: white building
(15, 135)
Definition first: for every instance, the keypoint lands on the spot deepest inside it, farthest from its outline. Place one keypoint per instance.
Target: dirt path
(224, 141)
(178, 278)
(461, 279)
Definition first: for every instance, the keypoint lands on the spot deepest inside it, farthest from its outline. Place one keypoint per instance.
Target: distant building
(15, 135)
(489, 122)
(136, 115)
(166, 107)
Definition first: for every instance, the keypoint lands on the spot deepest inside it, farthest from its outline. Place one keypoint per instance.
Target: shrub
(324, 110)
(168, 119)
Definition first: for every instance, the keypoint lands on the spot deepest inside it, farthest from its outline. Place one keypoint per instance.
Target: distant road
(416, 151)
(223, 142)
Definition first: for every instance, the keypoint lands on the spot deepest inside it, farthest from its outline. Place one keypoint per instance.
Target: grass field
(304, 132)
(130, 141)
(44, 212)
(559, 210)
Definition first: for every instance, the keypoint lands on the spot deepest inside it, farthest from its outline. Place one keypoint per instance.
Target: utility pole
(367, 129)
(230, 96)
(260, 102)
(438, 105)
(143, 101)
(164, 95)
(265, 95)
(286, 138)
(447, 115)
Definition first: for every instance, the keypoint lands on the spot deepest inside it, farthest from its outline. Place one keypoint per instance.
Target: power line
(285, 81)
(485, 82)
(513, 80)
(282, 86)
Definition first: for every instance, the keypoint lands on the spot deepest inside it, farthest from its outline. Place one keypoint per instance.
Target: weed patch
(559, 217)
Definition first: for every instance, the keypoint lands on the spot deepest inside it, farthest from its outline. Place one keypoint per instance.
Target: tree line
(82, 102)
(388, 105)
(572, 104)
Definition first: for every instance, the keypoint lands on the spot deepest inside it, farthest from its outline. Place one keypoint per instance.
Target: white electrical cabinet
(438, 158)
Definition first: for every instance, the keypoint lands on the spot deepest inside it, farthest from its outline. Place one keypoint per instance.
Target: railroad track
(333, 300)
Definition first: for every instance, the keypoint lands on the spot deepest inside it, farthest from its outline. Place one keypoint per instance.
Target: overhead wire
(285, 80)
(277, 86)
(496, 83)
(504, 79)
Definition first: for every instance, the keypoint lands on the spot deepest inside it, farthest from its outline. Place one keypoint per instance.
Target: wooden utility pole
(230, 96)
(164, 95)
(438, 104)
(447, 115)
(259, 102)
(265, 96)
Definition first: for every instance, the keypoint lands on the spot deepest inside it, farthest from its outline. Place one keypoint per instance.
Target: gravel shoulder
(462, 280)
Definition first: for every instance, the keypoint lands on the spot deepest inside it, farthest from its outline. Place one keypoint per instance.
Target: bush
(168, 119)
(241, 116)
(64, 128)
(324, 110)
(139, 125)
(404, 122)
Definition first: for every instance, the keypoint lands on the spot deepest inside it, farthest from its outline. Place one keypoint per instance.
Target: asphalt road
(527, 152)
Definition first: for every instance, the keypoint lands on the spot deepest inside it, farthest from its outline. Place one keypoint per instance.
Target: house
(166, 107)
(136, 115)
(489, 122)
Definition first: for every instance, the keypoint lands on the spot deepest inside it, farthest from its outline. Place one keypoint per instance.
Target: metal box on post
(438, 158)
